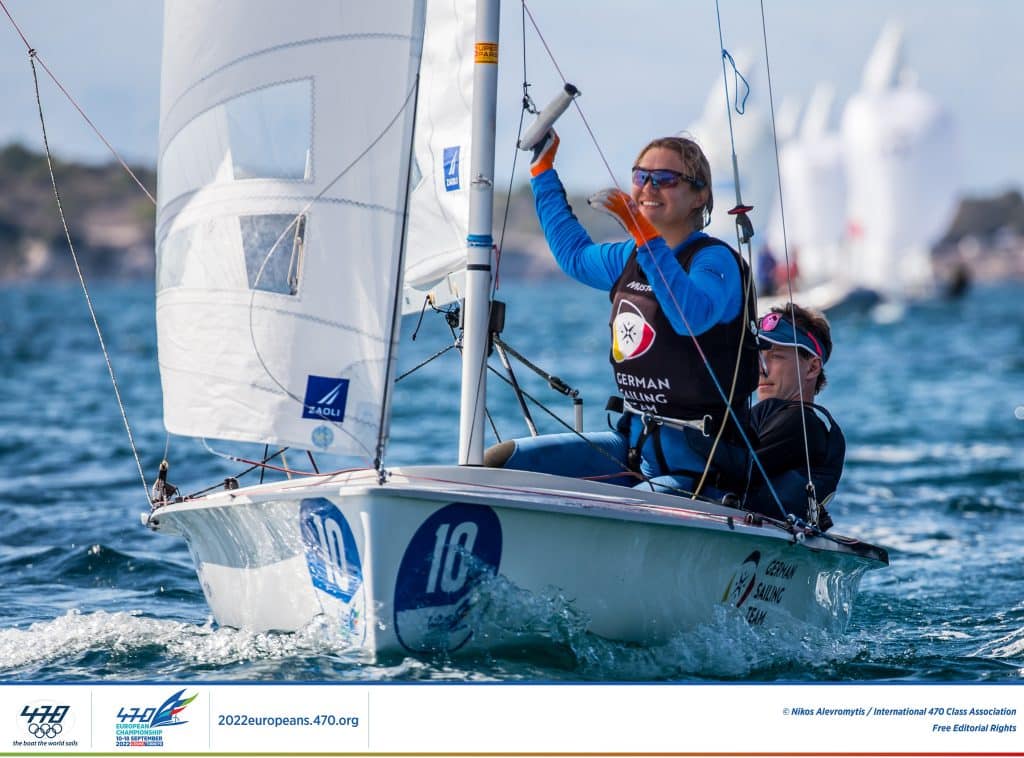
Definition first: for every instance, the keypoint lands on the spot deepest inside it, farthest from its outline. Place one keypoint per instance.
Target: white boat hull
(832, 297)
(409, 566)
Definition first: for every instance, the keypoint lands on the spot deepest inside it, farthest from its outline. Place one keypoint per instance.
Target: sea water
(931, 401)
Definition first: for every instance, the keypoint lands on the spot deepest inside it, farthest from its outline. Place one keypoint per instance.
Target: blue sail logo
(451, 168)
(326, 397)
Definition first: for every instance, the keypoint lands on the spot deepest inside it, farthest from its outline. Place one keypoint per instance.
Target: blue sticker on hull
(331, 552)
(453, 551)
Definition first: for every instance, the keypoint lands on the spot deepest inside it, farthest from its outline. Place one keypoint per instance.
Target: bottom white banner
(475, 718)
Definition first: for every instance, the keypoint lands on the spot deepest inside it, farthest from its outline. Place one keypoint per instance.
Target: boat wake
(127, 645)
(726, 647)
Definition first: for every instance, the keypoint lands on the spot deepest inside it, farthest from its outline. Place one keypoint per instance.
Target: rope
(728, 110)
(420, 365)
(527, 106)
(575, 100)
(81, 279)
(396, 304)
(35, 56)
(785, 250)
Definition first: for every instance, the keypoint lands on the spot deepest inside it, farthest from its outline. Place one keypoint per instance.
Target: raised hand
(618, 204)
(544, 154)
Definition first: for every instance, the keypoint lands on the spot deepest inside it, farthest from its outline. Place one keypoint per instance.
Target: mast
(476, 309)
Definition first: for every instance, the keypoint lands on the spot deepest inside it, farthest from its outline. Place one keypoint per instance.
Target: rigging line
(575, 100)
(259, 274)
(390, 359)
(553, 381)
(661, 273)
(785, 243)
(728, 109)
(267, 456)
(508, 205)
(420, 365)
(515, 160)
(85, 289)
(33, 53)
(264, 464)
(494, 427)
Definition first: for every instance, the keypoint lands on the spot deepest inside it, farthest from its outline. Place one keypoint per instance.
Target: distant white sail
(814, 193)
(902, 169)
(439, 218)
(285, 144)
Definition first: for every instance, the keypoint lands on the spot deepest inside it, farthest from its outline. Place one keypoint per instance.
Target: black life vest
(660, 371)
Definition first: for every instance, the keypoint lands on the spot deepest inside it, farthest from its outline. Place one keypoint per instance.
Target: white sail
(439, 207)
(814, 192)
(902, 168)
(283, 182)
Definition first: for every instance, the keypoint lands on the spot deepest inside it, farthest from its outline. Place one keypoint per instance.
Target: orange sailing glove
(618, 204)
(544, 154)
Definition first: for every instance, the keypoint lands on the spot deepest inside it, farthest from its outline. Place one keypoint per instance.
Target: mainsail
(283, 185)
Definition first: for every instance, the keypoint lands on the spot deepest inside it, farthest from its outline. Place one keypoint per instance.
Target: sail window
(190, 257)
(273, 246)
(204, 255)
(262, 134)
(270, 131)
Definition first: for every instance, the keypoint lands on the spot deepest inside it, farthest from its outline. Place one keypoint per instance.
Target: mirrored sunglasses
(664, 177)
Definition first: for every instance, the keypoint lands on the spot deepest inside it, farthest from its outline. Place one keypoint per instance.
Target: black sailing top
(661, 371)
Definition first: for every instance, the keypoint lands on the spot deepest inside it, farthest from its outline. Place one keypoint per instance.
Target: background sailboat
(903, 170)
(866, 205)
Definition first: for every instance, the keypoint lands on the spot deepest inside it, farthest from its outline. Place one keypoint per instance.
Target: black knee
(496, 456)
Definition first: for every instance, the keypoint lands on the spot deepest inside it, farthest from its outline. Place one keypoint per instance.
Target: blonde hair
(697, 166)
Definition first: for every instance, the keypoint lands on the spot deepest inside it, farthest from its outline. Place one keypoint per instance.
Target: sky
(645, 68)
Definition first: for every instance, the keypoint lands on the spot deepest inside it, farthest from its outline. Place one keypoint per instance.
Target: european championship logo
(144, 726)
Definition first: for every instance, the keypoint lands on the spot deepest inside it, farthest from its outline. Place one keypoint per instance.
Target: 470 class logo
(45, 721)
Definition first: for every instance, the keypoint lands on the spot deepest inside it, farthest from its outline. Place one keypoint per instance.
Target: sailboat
(867, 202)
(813, 179)
(317, 178)
(902, 169)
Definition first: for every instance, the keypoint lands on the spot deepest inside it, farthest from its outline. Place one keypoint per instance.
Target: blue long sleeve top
(711, 293)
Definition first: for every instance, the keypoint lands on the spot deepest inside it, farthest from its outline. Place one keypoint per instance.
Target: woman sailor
(681, 306)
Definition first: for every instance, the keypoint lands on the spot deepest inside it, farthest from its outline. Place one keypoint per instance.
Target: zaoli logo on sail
(451, 168)
(326, 397)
